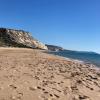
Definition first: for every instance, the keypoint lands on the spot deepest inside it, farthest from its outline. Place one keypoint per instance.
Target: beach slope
(30, 74)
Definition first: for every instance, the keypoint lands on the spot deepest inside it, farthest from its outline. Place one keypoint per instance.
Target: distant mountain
(54, 48)
(19, 38)
(88, 57)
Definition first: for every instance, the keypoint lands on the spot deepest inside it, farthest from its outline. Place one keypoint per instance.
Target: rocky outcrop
(54, 48)
(18, 38)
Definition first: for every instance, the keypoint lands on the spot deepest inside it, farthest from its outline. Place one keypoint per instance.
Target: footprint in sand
(13, 86)
(32, 88)
(18, 96)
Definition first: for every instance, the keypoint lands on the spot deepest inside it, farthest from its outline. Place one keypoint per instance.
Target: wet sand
(27, 74)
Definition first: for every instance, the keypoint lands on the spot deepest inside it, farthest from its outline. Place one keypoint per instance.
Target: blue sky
(72, 24)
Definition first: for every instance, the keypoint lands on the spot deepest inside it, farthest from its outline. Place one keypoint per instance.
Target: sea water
(88, 57)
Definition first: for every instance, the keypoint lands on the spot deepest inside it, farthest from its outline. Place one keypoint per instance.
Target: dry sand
(27, 74)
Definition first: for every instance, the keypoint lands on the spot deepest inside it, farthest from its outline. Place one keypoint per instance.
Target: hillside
(18, 38)
(54, 48)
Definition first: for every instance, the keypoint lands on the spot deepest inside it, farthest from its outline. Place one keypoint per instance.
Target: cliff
(19, 38)
(54, 48)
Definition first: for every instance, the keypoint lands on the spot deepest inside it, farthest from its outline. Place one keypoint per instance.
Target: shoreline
(72, 59)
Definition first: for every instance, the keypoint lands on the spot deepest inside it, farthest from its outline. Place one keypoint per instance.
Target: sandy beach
(30, 74)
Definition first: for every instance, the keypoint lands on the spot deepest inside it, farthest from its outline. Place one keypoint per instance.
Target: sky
(72, 24)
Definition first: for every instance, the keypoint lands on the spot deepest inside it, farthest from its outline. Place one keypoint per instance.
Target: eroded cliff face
(19, 38)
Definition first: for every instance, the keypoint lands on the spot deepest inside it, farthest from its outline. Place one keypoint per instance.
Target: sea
(87, 57)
